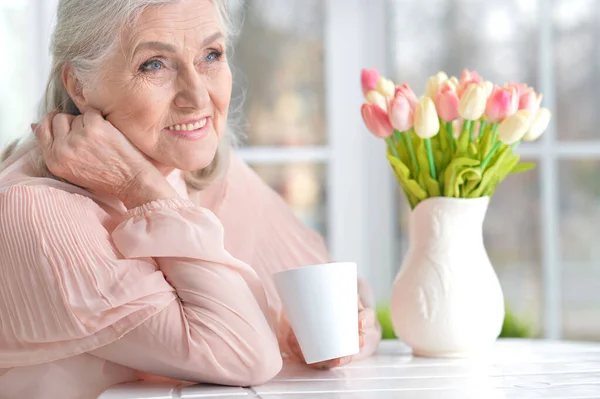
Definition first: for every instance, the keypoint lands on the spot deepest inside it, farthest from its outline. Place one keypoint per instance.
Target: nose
(192, 90)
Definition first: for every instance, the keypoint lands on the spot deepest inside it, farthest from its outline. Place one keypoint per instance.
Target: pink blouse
(92, 295)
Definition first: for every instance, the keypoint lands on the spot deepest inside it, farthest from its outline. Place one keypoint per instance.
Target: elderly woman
(133, 244)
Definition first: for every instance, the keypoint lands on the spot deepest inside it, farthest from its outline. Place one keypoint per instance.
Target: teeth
(189, 126)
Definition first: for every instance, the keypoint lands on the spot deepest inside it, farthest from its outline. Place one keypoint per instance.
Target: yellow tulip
(489, 88)
(454, 83)
(434, 83)
(514, 127)
(386, 87)
(538, 125)
(427, 123)
(375, 98)
(472, 103)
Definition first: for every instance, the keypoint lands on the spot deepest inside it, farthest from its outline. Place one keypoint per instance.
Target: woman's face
(168, 88)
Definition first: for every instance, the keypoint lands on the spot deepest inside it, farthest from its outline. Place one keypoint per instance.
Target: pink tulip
(446, 102)
(410, 95)
(502, 103)
(376, 120)
(520, 87)
(368, 80)
(400, 113)
(530, 101)
(467, 78)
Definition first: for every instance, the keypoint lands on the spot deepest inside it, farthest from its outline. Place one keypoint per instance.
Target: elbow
(263, 364)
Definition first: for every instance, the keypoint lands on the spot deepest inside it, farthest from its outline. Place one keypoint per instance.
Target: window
(278, 100)
(296, 67)
(15, 72)
(541, 226)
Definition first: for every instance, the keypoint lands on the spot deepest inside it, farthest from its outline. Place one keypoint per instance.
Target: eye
(214, 56)
(151, 65)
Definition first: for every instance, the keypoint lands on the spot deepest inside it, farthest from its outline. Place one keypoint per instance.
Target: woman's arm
(264, 232)
(197, 314)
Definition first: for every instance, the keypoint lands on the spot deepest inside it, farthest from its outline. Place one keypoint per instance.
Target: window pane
(277, 61)
(579, 232)
(464, 34)
(302, 186)
(512, 236)
(577, 60)
(16, 104)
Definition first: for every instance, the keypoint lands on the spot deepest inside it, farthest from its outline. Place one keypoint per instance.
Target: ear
(74, 87)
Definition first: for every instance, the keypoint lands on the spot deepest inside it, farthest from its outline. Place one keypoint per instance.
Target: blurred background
(296, 101)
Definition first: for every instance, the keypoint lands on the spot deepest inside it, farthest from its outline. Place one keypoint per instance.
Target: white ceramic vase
(446, 299)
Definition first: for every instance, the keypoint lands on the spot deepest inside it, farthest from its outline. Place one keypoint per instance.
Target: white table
(512, 369)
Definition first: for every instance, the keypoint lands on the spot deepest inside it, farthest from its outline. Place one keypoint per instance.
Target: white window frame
(360, 190)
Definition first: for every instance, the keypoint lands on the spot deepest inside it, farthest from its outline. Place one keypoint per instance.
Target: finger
(43, 132)
(326, 365)
(294, 346)
(366, 319)
(61, 125)
(344, 361)
(34, 126)
(91, 116)
(77, 123)
(330, 364)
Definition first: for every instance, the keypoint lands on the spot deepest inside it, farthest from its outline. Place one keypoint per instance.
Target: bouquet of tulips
(458, 140)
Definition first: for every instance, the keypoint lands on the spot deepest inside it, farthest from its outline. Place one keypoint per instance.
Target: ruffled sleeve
(71, 284)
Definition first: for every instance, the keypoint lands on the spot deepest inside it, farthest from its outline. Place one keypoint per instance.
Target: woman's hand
(90, 152)
(366, 323)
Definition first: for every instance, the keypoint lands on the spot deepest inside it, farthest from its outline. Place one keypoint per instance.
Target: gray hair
(89, 31)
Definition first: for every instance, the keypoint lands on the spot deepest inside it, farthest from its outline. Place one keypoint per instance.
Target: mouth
(192, 130)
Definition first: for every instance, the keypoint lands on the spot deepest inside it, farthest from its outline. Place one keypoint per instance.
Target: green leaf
(486, 143)
(523, 167)
(433, 186)
(403, 151)
(463, 139)
(473, 150)
(467, 175)
(426, 181)
(454, 175)
(414, 192)
(492, 171)
(503, 171)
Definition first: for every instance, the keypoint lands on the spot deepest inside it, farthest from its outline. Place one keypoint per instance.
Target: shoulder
(36, 219)
(38, 203)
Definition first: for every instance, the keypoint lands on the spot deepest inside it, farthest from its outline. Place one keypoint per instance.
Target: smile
(189, 127)
(190, 131)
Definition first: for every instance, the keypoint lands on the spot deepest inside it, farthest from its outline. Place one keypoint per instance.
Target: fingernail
(361, 341)
(361, 324)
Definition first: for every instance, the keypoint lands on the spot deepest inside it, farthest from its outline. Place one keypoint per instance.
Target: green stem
(450, 132)
(392, 147)
(489, 156)
(411, 151)
(399, 137)
(430, 159)
(482, 126)
(472, 131)
(494, 133)
(466, 126)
